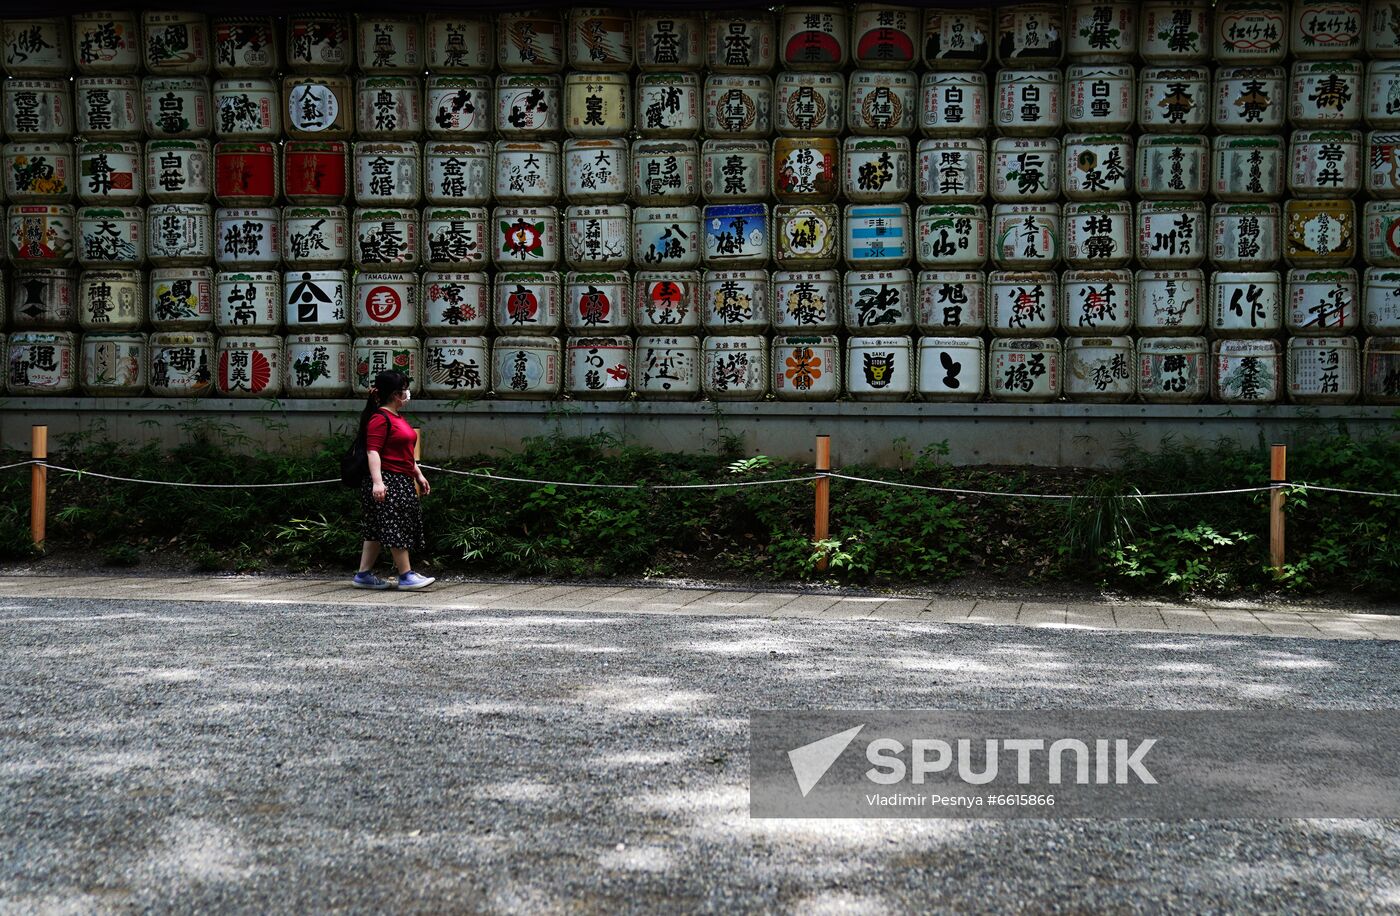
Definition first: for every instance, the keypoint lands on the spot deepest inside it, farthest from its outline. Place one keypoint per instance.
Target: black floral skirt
(398, 520)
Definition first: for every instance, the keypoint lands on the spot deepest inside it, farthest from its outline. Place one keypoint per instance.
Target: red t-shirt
(393, 438)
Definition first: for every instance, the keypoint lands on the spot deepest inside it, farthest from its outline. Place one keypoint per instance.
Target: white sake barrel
(881, 102)
(387, 174)
(1022, 303)
(595, 170)
(456, 238)
(1383, 94)
(178, 171)
(879, 302)
(247, 109)
(953, 103)
(43, 298)
(315, 236)
(459, 108)
(1250, 100)
(111, 300)
(598, 237)
(1173, 99)
(1097, 166)
(813, 37)
(182, 363)
(600, 38)
(526, 368)
(1248, 169)
(1326, 94)
(1251, 31)
(878, 236)
(39, 172)
(528, 303)
(806, 302)
(456, 304)
(1174, 31)
(952, 368)
(1026, 236)
(736, 235)
(111, 237)
(1333, 28)
(1382, 165)
(877, 169)
(385, 239)
(665, 172)
(389, 107)
(736, 302)
(952, 236)
(952, 170)
(883, 36)
(175, 42)
(182, 298)
(1246, 371)
(390, 43)
(880, 368)
(373, 355)
(529, 107)
(41, 362)
(456, 367)
(1246, 303)
(316, 300)
(1244, 236)
(957, 38)
(114, 365)
(740, 41)
(110, 173)
(806, 368)
(808, 103)
(1029, 102)
(530, 41)
(1322, 302)
(41, 235)
(597, 104)
(318, 365)
(1325, 163)
(525, 237)
(1025, 170)
(247, 302)
(1323, 370)
(386, 303)
(1100, 98)
(176, 108)
(666, 302)
(1319, 233)
(1100, 32)
(1173, 167)
(667, 368)
(318, 107)
(1170, 302)
(108, 108)
(734, 368)
(669, 40)
(599, 368)
(1382, 35)
(319, 42)
(1097, 302)
(1098, 236)
(1171, 234)
(1100, 370)
(245, 45)
(526, 171)
(107, 41)
(249, 237)
(1381, 225)
(249, 367)
(741, 171)
(1026, 370)
(597, 302)
(179, 235)
(1382, 311)
(738, 107)
(1381, 379)
(1172, 370)
(952, 303)
(38, 109)
(806, 236)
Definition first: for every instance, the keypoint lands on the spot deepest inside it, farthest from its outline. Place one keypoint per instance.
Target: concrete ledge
(1058, 434)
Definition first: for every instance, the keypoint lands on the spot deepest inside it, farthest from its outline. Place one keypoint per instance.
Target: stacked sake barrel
(1097, 201)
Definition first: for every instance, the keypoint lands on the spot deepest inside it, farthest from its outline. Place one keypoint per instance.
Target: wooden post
(38, 485)
(821, 520)
(417, 456)
(1278, 473)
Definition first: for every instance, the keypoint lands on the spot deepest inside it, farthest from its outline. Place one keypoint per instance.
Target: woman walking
(392, 515)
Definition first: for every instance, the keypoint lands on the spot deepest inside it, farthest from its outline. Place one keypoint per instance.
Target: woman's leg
(400, 559)
(369, 555)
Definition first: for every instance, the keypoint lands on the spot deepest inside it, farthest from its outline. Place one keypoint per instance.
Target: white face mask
(407, 396)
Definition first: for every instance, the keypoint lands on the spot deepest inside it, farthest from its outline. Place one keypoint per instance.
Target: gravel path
(203, 756)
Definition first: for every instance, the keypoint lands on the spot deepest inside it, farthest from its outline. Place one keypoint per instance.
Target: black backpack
(354, 464)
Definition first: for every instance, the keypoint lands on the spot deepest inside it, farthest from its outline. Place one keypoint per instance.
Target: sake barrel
(952, 170)
(596, 302)
(740, 171)
(373, 355)
(735, 235)
(1319, 233)
(1174, 31)
(1024, 369)
(814, 37)
(1173, 167)
(315, 301)
(456, 367)
(1029, 103)
(740, 41)
(1325, 163)
(806, 235)
(1382, 311)
(735, 368)
(806, 368)
(1246, 371)
(318, 107)
(1171, 234)
(1250, 99)
(1246, 169)
(1097, 166)
(1097, 302)
(1381, 375)
(666, 368)
(1102, 32)
(1100, 370)
(386, 303)
(957, 38)
(809, 103)
(881, 102)
(111, 300)
(1173, 99)
(175, 41)
(1334, 28)
(41, 362)
(665, 172)
(249, 367)
(248, 302)
(1172, 370)
(879, 302)
(1246, 303)
(1325, 94)
(1026, 236)
(1100, 98)
(667, 302)
(315, 236)
(386, 239)
(1382, 165)
(110, 237)
(176, 108)
(530, 41)
(597, 104)
(1025, 170)
(41, 235)
(1251, 31)
(880, 368)
(107, 41)
(247, 237)
(1022, 303)
(1030, 35)
(318, 365)
(529, 107)
(1383, 94)
(1382, 32)
(179, 235)
(738, 107)
(114, 364)
(1322, 302)
(595, 170)
(456, 238)
(806, 170)
(878, 236)
(528, 303)
(38, 109)
(600, 38)
(1098, 236)
(245, 45)
(387, 174)
(526, 171)
(806, 302)
(598, 237)
(1244, 236)
(952, 303)
(319, 42)
(736, 302)
(110, 173)
(882, 36)
(43, 298)
(953, 103)
(670, 41)
(456, 304)
(182, 298)
(459, 107)
(178, 171)
(389, 107)
(181, 363)
(108, 108)
(1382, 233)
(952, 236)
(1170, 302)
(526, 368)
(315, 172)
(952, 368)
(1323, 370)
(599, 367)
(390, 43)
(40, 172)
(528, 236)
(247, 109)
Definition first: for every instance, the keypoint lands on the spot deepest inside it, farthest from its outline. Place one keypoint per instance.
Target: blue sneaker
(368, 580)
(411, 579)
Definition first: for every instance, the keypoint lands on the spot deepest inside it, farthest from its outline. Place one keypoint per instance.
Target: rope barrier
(623, 486)
(204, 486)
(18, 464)
(963, 492)
(1322, 489)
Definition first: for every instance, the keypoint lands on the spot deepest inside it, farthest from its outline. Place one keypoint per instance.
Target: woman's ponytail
(386, 385)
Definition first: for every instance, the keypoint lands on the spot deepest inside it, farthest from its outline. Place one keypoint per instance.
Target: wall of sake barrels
(1157, 202)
